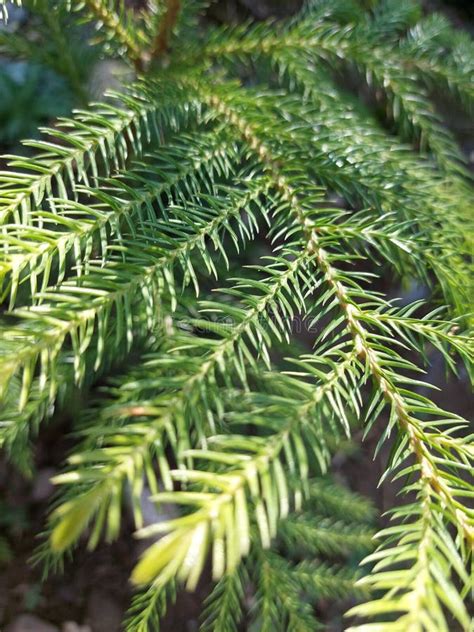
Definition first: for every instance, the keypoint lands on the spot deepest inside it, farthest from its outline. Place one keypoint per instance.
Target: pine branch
(442, 55)
(288, 607)
(131, 211)
(75, 310)
(422, 445)
(143, 439)
(222, 517)
(338, 503)
(223, 606)
(223, 102)
(148, 607)
(326, 42)
(279, 598)
(78, 145)
(352, 313)
(32, 251)
(120, 28)
(349, 159)
(328, 537)
(322, 582)
(415, 592)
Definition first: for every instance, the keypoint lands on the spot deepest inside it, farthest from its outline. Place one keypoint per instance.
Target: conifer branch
(167, 415)
(132, 209)
(354, 318)
(48, 326)
(77, 147)
(424, 446)
(104, 12)
(327, 42)
(243, 473)
(30, 250)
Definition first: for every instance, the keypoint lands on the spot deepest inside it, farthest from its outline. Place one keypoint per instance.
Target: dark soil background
(93, 592)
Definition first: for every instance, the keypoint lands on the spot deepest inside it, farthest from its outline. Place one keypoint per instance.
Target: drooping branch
(354, 317)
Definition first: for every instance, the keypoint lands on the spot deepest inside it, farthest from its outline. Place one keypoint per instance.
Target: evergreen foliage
(126, 242)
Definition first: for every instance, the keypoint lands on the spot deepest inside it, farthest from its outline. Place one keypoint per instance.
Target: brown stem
(167, 23)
